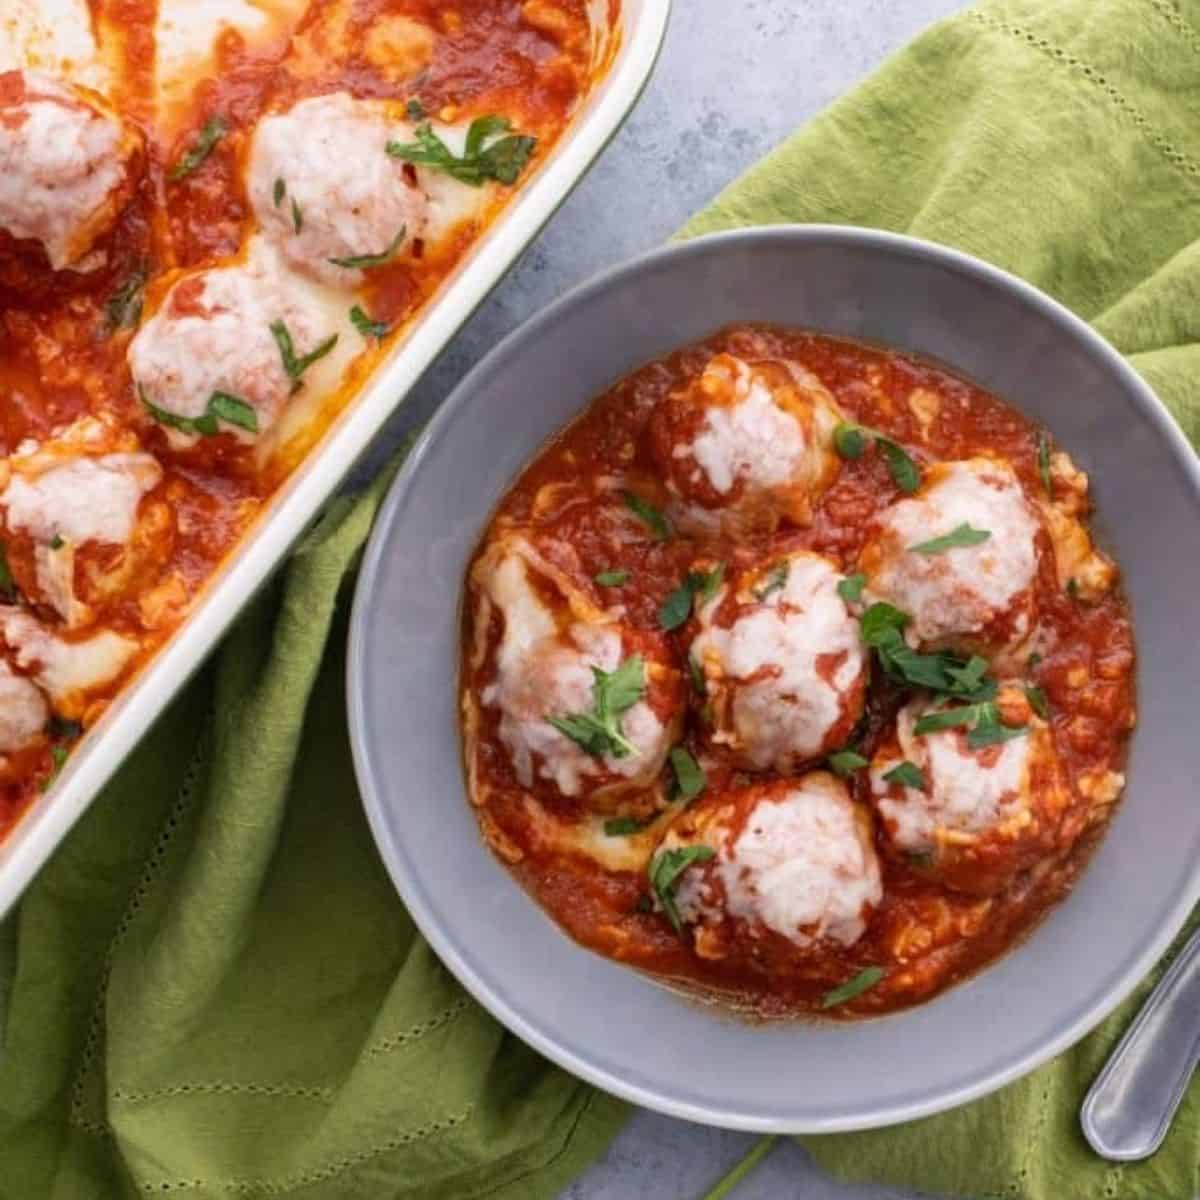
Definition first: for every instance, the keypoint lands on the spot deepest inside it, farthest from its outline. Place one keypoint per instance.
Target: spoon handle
(1130, 1107)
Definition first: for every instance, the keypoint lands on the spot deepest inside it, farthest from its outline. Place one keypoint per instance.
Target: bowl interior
(607, 1023)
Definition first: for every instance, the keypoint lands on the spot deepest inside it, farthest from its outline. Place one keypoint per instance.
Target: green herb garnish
(611, 578)
(850, 441)
(364, 324)
(222, 406)
(866, 979)
(851, 588)
(846, 762)
(665, 870)
(613, 693)
(482, 158)
(358, 261)
(8, 589)
(986, 728)
(58, 757)
(882, 628)
(213, 131)
(56, 542)
(689, 774)
(297, 216)
(623, 826)
(1038, 702)
(775, 581)
(677, 607)
(962, 535)
(124, 307)
(60, 727)
(908, 774)
(294, 365)
(1073, 589)
(415, 110)
(650, 516)
(1043, 452)
(696, 673)
(279, 192)
(990, 731)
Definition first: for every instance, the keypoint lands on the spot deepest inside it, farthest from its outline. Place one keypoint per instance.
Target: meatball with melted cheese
(23, 710)
(208, 360)
(588, 708)
(746, 445)
(791, 869)
(78, 527)
(325, 190)
(66, 165)
(971, 815)
(973, 592)
(783, 664)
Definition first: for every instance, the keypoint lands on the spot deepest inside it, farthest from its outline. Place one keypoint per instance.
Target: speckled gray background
(736, 77)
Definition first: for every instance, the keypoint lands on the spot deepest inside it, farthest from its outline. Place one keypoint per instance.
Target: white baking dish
(641, 27)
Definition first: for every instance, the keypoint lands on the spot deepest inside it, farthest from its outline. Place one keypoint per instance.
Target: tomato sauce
(62, 353)
(925, 936)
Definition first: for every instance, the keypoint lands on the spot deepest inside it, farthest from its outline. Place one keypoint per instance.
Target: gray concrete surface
(735, 78)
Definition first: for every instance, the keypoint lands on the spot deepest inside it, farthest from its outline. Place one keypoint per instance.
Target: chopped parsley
(364, 324)
(866, 979)
(8, 589)
(986, 728)
(961, 535)
(851, 588)
(297, 216)
(851, 442)
(775, 581)
(58, 759)
(1038, 702)
(279, 192)
(1073, 589)
(696, 674)
(56, 542)
(649, 515)
(623, 826)
(613, 578)
(908, 774)
(689, 774)
(124, 307)
(677, 607)
(358, 261)
(213, 130)
(613, 693)
(486, 154)
(295, 365)
(846, 762)
(882, 628)
(415, 110)
(222, 406)
(665, 870)
(1043, 453)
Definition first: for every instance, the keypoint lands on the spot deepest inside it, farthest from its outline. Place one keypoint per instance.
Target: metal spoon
(1130, 1107)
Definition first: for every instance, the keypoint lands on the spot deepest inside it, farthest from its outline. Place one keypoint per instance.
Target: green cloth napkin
(1059, 139)
(212, 990)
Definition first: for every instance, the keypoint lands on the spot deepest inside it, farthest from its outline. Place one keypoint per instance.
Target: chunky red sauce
(60, 358)
(924, 936)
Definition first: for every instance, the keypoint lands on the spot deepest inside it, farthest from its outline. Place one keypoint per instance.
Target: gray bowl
(619, 1029)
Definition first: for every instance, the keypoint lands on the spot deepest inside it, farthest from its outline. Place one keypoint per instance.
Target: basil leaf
(906, 475)
(58, 757)
(1073, 589)
(961, 535)
(8, 589)
(851, 588)
(908, 774)
(502, 160)
(708, 583)
(949, 718)
(233, 411)
(992, 733)
(365, 326)
(677, 607)
(850, 441)
(1038, 702)
(297, 217)
(415, 110)
(846, 762)
(221, 406)
(613, 693)
(213, 131)
(296, 366)
(623, 826)
(665, 870)
(776, 581)
(612, 578)
(56, 542)
(1043, 451)
(1035, 660)
(969, 677)
(124, 307)
(689, 774)
(650, 516)
(279, 192)
(879, 619)
(696, 671)
(358, 261)
(866, 979)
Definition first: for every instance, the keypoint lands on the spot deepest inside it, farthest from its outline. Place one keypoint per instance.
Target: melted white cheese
(961, 590)
(967, 791)
(23, 710)
(785, 714)
(60, 161)
(65, 670)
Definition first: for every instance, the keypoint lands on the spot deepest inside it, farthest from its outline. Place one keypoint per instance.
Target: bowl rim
(537, 327)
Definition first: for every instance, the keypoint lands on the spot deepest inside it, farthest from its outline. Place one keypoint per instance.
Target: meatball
(746, 445)
(588, 708)
(76, 529)
(783, 664)
(324, 188)
(66, 165)
(970, 817)
(67, 671)
(23, 710)
(975, 595)
(792, 869)
(209, 358)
